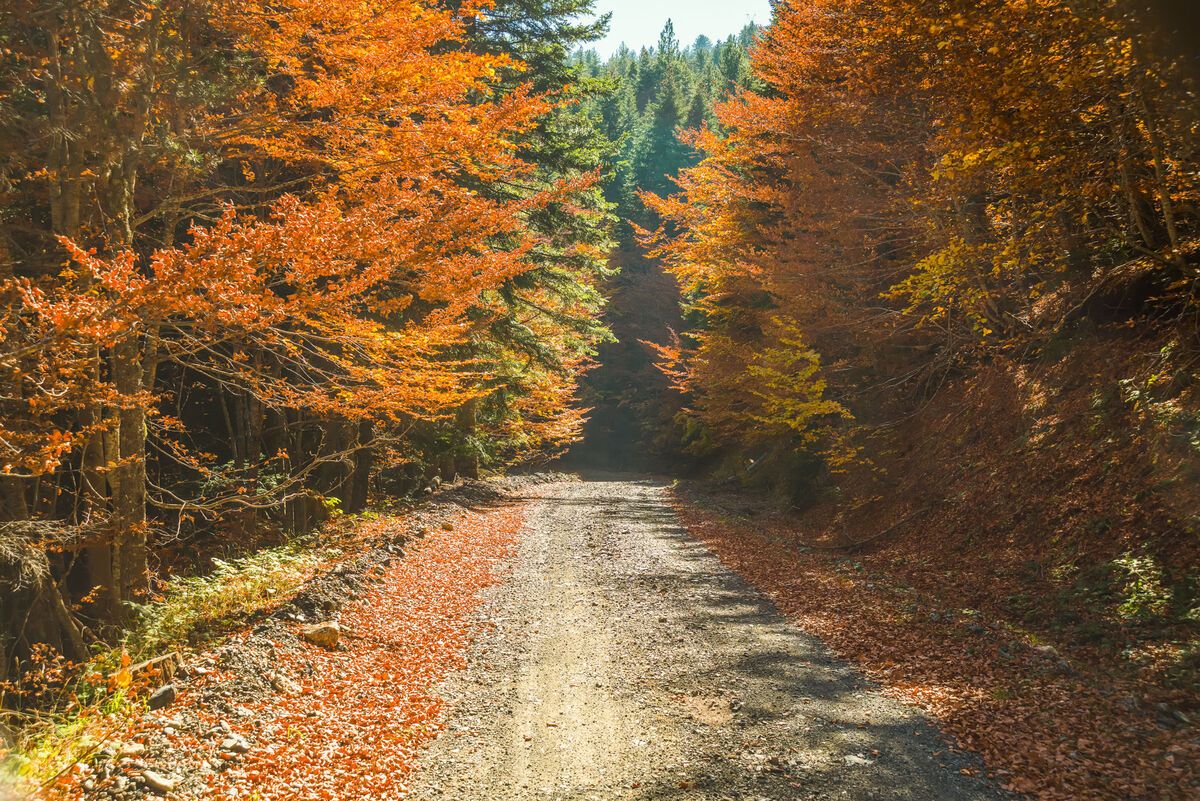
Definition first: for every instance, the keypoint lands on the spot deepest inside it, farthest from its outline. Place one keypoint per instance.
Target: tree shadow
(802, 724)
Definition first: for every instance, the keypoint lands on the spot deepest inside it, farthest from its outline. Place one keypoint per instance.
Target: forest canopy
(910, 189)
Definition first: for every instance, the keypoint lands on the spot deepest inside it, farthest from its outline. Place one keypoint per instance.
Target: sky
(637, 22)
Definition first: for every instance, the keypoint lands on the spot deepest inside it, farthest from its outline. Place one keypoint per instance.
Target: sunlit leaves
(924, 180)
(348, 281)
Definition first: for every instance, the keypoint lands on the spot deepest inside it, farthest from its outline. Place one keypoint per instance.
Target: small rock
(1167, 716)
(132, 750)
(235, 745)
(164, 696)
(857, 760)
(325, 635)
(283, 684)
(158, 782)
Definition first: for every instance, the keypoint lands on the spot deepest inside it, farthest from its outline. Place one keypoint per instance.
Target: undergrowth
(60, 713)
(194, 609)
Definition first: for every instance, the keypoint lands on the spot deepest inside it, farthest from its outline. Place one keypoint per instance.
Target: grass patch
(50, 744)
(193, 610)
(65, 712)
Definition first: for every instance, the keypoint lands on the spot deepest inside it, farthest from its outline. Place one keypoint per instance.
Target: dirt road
(620, 660)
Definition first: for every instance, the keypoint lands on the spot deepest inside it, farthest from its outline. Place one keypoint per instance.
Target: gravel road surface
(621, 660)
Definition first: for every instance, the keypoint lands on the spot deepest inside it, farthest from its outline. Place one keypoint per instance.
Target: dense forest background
(655, 101)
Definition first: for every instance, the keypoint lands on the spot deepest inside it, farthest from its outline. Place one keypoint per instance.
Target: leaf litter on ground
(1052, 730)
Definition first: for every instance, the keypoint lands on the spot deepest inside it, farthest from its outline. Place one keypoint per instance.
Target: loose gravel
(621, 660)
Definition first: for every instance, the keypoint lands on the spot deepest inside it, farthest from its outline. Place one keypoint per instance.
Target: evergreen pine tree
(661, 154)
(562, 287)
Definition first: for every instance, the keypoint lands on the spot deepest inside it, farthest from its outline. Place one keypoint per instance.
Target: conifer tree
(661, 152)
(560, 292)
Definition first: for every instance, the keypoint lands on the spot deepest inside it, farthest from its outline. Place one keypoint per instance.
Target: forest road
(621, 660)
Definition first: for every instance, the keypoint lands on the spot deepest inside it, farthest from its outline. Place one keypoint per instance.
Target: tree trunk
(467, 461)
(364, 463)
(127, 479)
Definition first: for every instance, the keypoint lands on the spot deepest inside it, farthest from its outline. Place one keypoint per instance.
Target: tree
(661, 153)
(543, 326)
(286, 221)
(909, 193)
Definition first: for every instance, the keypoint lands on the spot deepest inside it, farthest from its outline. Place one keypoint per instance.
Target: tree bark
(364, 463)
(127, 478)
(467, 461)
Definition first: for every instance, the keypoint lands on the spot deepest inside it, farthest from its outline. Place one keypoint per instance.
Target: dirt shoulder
(267, 714)
(622, 660)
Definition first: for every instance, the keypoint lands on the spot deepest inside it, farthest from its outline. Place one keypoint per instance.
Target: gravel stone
(162, 697)
(621, 660)
(325, 635)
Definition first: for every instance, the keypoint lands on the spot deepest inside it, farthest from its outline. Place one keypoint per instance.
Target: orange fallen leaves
(1053, 737)
(367, 709)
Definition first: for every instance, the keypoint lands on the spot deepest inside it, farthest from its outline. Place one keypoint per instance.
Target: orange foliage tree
(273, 209)
(923, 182)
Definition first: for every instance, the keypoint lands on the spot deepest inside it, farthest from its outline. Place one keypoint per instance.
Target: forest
(913, 285)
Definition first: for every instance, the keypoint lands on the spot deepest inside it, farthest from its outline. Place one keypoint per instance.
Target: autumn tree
(270, 213)
(920, 183)
(542, 327)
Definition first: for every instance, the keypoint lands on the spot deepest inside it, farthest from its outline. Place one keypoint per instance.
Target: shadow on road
(801, 723)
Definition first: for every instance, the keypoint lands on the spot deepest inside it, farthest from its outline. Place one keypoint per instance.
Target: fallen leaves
(1053, 735)
(366, 708)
